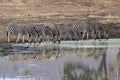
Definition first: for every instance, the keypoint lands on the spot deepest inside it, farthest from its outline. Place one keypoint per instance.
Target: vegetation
(88, 2)
(16, 1)
(27, 71)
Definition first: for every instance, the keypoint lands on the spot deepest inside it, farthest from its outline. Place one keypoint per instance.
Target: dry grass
(85, 2)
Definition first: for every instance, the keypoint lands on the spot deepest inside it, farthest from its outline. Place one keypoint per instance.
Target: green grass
(27, 72)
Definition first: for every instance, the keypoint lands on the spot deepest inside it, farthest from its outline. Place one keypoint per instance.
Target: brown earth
(61, 11)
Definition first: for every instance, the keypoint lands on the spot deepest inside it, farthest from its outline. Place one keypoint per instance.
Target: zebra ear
(73, 25)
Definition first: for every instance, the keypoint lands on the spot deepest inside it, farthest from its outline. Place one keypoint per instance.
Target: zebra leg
(39, 38)
(47, 38)
(18, 38)
(43, 37)
(99, 35)
(27, 37)
(107, 36)
(23, 38)
(58, 39)
(36, 39)
(76, 36)
(83, 36)
(8, 36)
(93, 35)
(54, 38)
(70, 37)
(79, 36)
(87, 35)
(30, 39)
(67, 36)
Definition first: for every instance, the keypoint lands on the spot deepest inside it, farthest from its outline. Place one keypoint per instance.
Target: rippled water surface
(81, 60)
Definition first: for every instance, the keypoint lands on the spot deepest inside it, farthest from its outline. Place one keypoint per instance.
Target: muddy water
(89, 61)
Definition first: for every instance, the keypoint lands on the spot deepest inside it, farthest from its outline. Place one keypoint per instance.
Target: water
(82, 60)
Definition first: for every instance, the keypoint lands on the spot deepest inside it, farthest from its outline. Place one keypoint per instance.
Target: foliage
(27, 71)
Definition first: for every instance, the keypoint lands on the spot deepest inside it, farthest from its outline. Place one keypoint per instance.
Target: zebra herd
(56, 32)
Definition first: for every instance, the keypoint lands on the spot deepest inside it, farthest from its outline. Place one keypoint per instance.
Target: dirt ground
(30, 14)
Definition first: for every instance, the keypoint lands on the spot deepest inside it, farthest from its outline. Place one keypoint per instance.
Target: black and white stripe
(100, 30)
(16, 30)
(83, 30)
(43, 32)
(55, 32)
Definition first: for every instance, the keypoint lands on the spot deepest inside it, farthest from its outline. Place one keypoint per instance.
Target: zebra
(50, 34)
(43, 32)
(103, 31)
(33, 34)
(100, 31)
(106, 32)
(84, 29)
(70, 31)
(55, 31)
(67, 32)
(17, 30)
